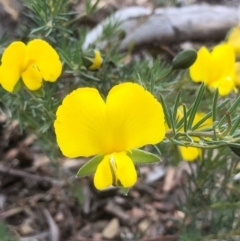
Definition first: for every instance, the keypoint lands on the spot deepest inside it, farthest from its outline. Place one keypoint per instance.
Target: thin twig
(159, 238)
(35, 237)
(11, 212)
(23, 174)
(54, 234)
(173, 237)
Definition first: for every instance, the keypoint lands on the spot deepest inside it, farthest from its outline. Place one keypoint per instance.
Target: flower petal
(9, 76)
(103, 176)
(223, 60)
(12, 64)
(200, 70)
(46, 58)
(96, 61)
(189, 153)
(206, 124)
(81, 125)
(237, 73)
(32, 78)
(14, 55)
(234, 39)
(224, 86)
(126, 174)
(135, 117)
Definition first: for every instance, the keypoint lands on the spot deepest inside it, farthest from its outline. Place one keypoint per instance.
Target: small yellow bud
(184, 59)
(92, 60)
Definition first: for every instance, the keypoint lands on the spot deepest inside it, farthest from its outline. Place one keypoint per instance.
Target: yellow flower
(92, 60)
(33, 62)
(215, 69)
(191, 153)
(130, 118)
(237, 72)
(233, 39)
(96, 61)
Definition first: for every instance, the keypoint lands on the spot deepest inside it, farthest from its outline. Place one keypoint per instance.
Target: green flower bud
(184, 59)
(92, 60)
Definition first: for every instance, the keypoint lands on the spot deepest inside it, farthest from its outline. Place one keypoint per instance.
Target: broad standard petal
(43, 55)
(234, 39)
(9, 76)
(223, 63)
(224, 85)
(135, 117)
(103, 177)
(81, 126)
(32, 78)
(13, 60)
(14, 55)
(200, 70)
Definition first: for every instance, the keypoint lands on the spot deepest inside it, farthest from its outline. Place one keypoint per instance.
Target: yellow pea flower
(216, 69)
(191, 153)
(92, 60)
(233, 39)
(33, 62)
(129, 118)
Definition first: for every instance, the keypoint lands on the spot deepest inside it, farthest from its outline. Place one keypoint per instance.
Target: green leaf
(142, 157)
(90, 167)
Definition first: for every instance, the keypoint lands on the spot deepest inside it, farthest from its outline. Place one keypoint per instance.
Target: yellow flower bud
(92, 60)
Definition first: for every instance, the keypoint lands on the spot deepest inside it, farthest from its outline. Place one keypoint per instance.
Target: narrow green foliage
(231, 110)
(195, 105)
(185, 121)
(48, 18)
(165, 110)
(209, 114)
(235, 126)
(172, 121)
(91, 7)
(176, 106)
(214, 106)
